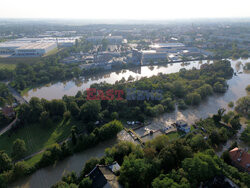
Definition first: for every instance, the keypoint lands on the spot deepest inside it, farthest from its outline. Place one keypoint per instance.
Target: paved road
(17, 96)
(8, 127)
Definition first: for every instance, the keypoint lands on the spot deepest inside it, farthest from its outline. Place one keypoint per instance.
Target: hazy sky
(124, 9)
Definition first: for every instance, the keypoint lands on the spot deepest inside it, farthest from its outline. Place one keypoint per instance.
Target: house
(104, 176)
(240, 159)
(182, 126)
(8, 112)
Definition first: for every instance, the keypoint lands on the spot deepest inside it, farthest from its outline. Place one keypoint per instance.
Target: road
(17, 96)
(8, 127)
(20, 100)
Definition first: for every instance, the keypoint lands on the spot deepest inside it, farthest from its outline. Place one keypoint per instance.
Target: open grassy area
(174, 135)
(34, 160)
(37, 137)
(10, 66)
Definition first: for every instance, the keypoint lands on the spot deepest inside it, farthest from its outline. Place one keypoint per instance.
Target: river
(50, 175)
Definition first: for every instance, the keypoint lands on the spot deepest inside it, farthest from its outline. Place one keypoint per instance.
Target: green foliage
(193, 99)
(70, 178)
(90, 111)
(86, 183)
(200, 168)
(21, 169)
(19, 149)
(242, 106)
(245, 135)
(89, 165)
(231, 104)
(248, 88)
(5, 162)
(5, 95)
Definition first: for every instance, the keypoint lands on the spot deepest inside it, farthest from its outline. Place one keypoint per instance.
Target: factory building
(35, 46)
(149, 56)
(35, 49)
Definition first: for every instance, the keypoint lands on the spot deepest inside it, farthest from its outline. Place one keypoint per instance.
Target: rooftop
(167, 45)
(241, 158)
(36, 46)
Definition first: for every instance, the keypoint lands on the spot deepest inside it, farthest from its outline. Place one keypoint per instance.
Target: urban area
(197, 134)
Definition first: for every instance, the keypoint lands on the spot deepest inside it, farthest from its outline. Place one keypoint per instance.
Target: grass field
(7, 66)
(37, 137)
(174, 135)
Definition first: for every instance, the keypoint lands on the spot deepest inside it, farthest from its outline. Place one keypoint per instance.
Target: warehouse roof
(36, 46)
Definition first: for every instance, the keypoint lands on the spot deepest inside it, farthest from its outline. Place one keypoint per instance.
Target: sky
(125, 9)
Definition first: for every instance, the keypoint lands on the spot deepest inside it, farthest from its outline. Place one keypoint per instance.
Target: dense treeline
(185, 162)
(5, 95)
(188, 87)
(10, 171)
(5, 98)
(47, 70)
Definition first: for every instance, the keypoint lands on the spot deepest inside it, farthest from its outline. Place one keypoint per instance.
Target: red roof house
(241, 159)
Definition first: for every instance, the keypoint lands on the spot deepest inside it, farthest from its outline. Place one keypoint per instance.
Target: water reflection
(48, 176)
(58, 90)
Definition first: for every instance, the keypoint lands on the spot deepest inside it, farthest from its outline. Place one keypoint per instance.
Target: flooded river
(58, 90)
(50, 175)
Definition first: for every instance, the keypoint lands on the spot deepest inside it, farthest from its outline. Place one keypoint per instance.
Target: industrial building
(149, 56)
(35, 49)
(34, 46)
(110, 39)
(28, 48)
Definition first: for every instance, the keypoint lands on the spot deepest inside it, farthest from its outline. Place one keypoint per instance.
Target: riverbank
(191, 114)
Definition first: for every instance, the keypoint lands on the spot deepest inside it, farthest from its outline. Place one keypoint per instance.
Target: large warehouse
(35, 49)
(26, 48)
(34, 46)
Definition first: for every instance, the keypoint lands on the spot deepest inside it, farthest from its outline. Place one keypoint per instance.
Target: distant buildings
(8, 112)
(110, 39)
(152, 56)
(23, 47)
(240, 159)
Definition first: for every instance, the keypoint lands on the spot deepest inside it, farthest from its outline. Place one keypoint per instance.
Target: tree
(245, 135)
(242, 106)
(73, 135)
(57, 107)
(19, 149)
(164, 181)
(74, 109)
(90, 111)
(44, 117)
(200, 168)
(60, 184)
(86, 183)
(70, 178)
(219, 88)
(193, 99)
(178, 88)
(133, 172)
(235, 122)
(21, 169)
(114, 115)
(217, 117)
(5, 162)
(89, 165)
(198, 143)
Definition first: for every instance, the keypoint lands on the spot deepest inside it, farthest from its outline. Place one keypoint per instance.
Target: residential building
(183, 126)
(240, 159)
(8, 112)
(104, 176)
